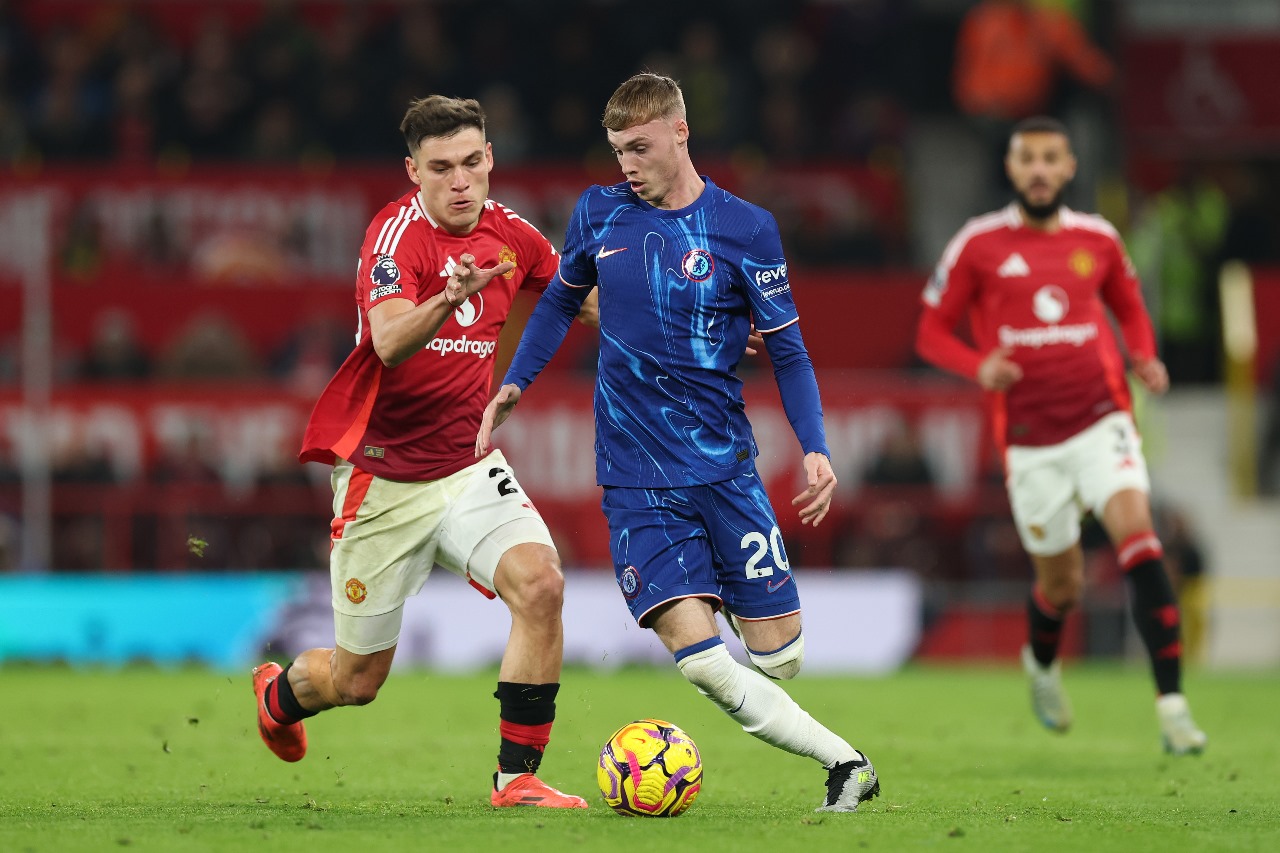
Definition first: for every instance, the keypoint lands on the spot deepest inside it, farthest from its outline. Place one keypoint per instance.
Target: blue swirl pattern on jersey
(669, 408)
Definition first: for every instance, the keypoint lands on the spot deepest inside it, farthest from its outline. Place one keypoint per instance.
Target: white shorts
(386, 536)
(1049, 487)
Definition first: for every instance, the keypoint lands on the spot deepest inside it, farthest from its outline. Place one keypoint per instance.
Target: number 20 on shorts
(763, 545)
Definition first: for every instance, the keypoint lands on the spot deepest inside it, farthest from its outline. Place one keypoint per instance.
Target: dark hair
(1041, 124)
(439, 116)
(640, 100)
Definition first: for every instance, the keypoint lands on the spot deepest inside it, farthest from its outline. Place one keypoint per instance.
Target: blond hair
(439, 116)
(642, 99)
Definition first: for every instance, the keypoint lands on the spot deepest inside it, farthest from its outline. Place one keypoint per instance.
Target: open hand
(1152, 373)
(998, 372)
(467, 279)
(498, 410)
(822, 485)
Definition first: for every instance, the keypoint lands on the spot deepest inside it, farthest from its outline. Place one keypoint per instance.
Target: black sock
(1155, 612)
(1044, 628)
(282, 705)
(527, 712)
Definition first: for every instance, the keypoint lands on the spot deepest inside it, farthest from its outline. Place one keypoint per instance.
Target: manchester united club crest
(505, 254)
(356, 591)
(1082, 262)
(698, 265)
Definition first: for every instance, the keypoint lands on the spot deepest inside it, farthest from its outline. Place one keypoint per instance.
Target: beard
(1041, 211)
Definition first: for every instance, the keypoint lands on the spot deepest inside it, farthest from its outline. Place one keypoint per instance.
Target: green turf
(170, 761)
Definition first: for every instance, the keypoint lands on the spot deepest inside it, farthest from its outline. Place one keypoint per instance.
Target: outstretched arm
(400, 329)
(543, 335)
(495, 414)
(798, 386)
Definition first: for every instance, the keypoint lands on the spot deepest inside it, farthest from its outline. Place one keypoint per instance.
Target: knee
(538, 589)
(712, 671)
(1063, 592)
(784, 663)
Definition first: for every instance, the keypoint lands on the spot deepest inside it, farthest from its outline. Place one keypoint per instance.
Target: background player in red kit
(438, 271)
(1035, 279)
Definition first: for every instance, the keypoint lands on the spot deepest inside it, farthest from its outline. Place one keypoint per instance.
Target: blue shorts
(720, 541)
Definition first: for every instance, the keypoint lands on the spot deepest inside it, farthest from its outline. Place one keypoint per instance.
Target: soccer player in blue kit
(682, 268)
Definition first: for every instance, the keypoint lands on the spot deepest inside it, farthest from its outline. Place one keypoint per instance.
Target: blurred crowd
(310, 83)
(290, 82)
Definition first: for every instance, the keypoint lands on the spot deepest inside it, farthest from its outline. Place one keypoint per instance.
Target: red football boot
(288, 742)
(528, 790)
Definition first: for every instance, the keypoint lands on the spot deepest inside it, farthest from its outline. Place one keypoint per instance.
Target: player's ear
(681, 128)
(412, 168)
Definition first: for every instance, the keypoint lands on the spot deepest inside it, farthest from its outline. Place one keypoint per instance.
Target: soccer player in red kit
(438, 271)
(1034, 280)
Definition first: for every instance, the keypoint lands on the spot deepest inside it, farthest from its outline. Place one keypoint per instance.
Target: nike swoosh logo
(604, 253)
(769, 586)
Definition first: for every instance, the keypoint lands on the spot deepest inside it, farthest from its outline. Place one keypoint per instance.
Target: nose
(459, 179)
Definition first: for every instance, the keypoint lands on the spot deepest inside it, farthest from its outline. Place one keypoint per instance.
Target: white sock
(505, 779)
(762, 708)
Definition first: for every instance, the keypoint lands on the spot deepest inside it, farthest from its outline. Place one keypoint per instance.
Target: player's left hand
(822, 485)
(755, 341)
(498, 410)
(468, 279)
(1153, 374)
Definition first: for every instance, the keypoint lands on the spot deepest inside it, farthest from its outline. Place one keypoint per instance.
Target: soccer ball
(649, 768)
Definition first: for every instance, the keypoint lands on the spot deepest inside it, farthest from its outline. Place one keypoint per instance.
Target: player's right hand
(467, 278)
(498, 410)
(1153, 374)
(822, 485)
(998, 372)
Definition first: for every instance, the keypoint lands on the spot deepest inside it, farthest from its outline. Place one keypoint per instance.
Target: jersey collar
(679, 213)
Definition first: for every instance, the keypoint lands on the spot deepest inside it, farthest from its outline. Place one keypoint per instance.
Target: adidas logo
(449, 266)
(1013, 266)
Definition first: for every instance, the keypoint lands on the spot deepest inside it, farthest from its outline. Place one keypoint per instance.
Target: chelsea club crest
(630, 582)
(698, 265)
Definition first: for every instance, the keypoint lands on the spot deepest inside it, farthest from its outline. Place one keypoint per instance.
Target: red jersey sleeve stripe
(357, 489)
(345, 446)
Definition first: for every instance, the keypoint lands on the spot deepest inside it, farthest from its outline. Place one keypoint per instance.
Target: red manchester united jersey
(1041, 295)
(418, 420)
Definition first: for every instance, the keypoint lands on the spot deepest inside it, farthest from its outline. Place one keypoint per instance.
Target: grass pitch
(163, 760)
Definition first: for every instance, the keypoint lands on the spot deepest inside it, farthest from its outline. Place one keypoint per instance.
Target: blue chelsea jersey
(678, 290)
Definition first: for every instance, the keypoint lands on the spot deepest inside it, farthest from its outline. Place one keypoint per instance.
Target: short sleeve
(384, 271)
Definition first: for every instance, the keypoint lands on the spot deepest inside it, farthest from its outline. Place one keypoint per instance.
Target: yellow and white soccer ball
(649, 768)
